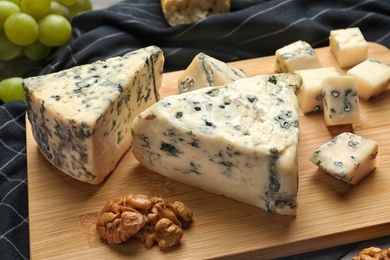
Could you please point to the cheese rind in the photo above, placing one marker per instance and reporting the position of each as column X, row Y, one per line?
column 310, row 93
column 298, row 55
column 348, row 46
column 81, row 117
column 341, row 100
column 239, row 140
column 372, row 78
column 206, row 71
column 348, row 157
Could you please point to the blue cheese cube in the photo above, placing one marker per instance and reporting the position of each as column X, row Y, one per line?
column 298, row 55
column 310, row 93
column 206, row 71
column 348, row 46
column 341, row 100
column 348, row 157
column 81, row 117
column 239, row 140
column 372, row 78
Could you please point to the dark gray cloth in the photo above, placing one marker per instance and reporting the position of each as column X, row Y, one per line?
column 14, row 238
column 251, row 29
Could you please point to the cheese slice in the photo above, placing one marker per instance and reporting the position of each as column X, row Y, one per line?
column 239, row 140
column 206, row 71
column 348, row 157
column 81, row 117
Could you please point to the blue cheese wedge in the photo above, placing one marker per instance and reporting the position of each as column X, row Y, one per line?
column 298, row 55
column 348, row 157
column 81, row 117
column 206, row 71
column 372, row 78
column 239, row 140
column 178, row 12
column 341, row 100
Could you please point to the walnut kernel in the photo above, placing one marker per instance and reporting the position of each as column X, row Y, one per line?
column 373, row 253
column 149, row 219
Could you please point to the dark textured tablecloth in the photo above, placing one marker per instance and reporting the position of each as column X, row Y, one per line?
column 252, row 29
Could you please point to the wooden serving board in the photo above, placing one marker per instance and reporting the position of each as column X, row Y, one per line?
column 63, row 211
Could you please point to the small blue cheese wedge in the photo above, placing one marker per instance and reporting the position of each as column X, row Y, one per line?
column 341, row 100
column 348, row 157
column 81, row 117
column 348, row 46
column 298, row 55
column 239, row 140
column 206, row 71
column 178, row 12
column 372, row 78
column 310, row 93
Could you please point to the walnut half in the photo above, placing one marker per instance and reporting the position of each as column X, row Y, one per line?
column 373, row 253
column 149, row 219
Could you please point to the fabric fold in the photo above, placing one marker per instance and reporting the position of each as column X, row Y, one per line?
column 252, row 29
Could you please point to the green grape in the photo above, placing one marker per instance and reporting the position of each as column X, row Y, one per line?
column 8, row 50
column 80, row 6
column 6, row 9
column 60, row 9
column 54, row 30
column 12, row 89
column 35, row 8
column 21, row 29
column 17, row 2
column 67, row 2
column 36, row 51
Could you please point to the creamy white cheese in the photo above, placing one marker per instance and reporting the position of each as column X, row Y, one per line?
column 341, row 100
column 372, row 78
column 298, row 55
column 206, row 71
column 348, row 157
column 310, row 93
column 348, row 46
column 81, row 117
column 239, row 140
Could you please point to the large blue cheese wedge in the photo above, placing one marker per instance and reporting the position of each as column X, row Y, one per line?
column 81, row 117
column 239, row 140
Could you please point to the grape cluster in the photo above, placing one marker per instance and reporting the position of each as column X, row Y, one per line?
column 32, row 28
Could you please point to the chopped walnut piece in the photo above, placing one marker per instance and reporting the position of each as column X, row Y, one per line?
column 150, row 219
column 181, row 210
column 117, row 227
column 118, row 222
column 158, row 212
column 165, row 233
column 137, row 201
column 373, row 253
